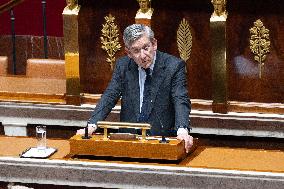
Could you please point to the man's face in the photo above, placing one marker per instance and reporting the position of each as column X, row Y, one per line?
column 142, row 51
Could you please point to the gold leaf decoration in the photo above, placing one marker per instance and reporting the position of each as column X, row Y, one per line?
column 259, row 43
column 184, row 40
column 110, row 40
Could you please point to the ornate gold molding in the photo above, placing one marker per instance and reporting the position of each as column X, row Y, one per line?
column 109, row 39
column 259, row 43
column 184, row 40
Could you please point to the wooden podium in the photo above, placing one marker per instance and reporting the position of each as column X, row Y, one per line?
column 138, row 147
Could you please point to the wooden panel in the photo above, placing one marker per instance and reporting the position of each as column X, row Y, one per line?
column 46, row 68
column 257, row 159
column 18, row 144
column 23, row 89
column 29, row 47
column 244, row 84
column 243, row 81
column 96, row 73
column 166, row 19
column 149, row 149
column 237, row 159
column 3, row 65
column 32, row 85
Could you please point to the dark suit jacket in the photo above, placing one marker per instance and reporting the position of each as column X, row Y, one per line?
column 170, row 102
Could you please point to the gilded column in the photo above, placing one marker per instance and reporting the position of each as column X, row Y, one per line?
column 219, row 61
column 71, row 48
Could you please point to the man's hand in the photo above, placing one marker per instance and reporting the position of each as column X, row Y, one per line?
column 91, row 129
column 188, row 140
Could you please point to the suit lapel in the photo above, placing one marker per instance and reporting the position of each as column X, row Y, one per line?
column 157, row 77
column 134, row 86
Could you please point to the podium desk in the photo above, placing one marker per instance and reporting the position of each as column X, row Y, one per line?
column 217, row 167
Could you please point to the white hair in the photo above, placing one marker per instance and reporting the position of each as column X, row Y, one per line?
column 135, row 32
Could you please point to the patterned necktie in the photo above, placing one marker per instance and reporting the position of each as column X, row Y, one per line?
column 145, row 109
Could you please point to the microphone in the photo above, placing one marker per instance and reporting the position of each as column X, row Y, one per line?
column 163, row 140
column 86, row 135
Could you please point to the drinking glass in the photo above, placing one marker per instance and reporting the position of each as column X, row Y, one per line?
column 41, row 137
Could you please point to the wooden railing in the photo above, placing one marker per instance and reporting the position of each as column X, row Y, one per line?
column 9, row 5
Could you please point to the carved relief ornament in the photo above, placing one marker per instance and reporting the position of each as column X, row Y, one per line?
column 184, row 40
column 110, row 40
column 259, row 43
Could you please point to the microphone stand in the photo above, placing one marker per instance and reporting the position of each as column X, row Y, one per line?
column 86, row 135
column 164, row 140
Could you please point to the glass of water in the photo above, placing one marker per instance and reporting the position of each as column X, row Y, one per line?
column 41, row 137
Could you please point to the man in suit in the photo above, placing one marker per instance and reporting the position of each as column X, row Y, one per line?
column 166, row 106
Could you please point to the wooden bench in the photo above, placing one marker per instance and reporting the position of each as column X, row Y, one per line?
column 36, row 90
column 46, row 68
column 3, row 65
column 44, row 82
